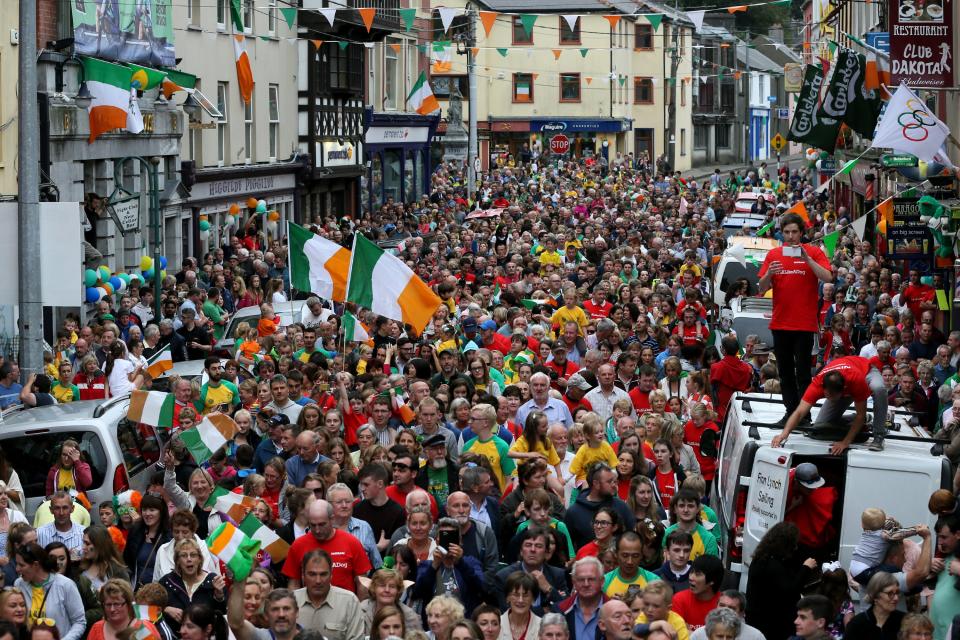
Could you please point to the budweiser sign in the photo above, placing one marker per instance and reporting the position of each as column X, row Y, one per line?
column 921, row 47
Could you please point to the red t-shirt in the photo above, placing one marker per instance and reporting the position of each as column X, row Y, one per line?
column 691, row 436
column 727, row 376
column 346, row 552
column 693, row 611
column 854, row 370
column 914, row 295
column 666, row 487
column 795, row 308
column 597, row 311
column 499, row 342
column 641, row 401
column 573, row 406
column 691, row 335
column 879, row 364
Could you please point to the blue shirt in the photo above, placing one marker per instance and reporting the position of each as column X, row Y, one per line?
column 555, row 410
column 362, row 531
column 10, row 396
column 585, row 628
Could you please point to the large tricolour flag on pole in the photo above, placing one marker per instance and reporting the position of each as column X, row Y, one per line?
column 421, row 98
column 205, row 439
column 318, row 265
column 109, row 84
column 244, row 72
column 383, row 283
column 908, row 126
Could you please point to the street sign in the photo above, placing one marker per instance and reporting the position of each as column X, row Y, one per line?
column 559, row 144
column 892, row 160
column 771, row 99
column 125, row 212
column 783, row 114
column 477, row 165
column 778, row 143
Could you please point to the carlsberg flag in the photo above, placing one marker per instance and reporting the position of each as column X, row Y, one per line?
column 236, row 550
column 808, row 126
column 907, row 126
column 847, row 99
column 421, row 98
column 317, row 265
column 387, row 286
column 205, row 439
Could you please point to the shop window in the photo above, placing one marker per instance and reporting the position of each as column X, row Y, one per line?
column 443, row 86
column 376, row 181
column 642, row 90
column 523, row 87
column 520, row 35
column 644, row 37
column 722, row 132
column 701, row 134
column 393, row 174
column 569, row 87
column 223, row 137
column 419, row 165
column 568, row 35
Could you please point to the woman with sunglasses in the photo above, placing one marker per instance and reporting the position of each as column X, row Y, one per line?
column 49, row 594
column 118, row 614
column 190, row 584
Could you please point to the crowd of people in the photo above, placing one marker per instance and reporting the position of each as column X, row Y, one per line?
column 537, row 462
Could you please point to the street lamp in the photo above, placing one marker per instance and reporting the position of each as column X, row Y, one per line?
column 191, row 106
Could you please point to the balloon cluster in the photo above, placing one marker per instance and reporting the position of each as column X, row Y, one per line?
column 102, row 282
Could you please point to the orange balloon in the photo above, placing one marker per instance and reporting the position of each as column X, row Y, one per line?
column 107, row 287
column 251, row 203
column 202, row 216
column 234, row 209
column 274, row 216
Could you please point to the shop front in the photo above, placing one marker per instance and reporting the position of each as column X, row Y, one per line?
column 334, row 189
column 396, row 151
column 581, row 137
column 214, row 195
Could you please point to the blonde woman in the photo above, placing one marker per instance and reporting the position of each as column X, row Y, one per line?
column 442, row 613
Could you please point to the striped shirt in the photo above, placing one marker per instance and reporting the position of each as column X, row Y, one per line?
column 72, row 539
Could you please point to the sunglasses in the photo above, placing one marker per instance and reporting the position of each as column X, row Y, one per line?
column 399, row 466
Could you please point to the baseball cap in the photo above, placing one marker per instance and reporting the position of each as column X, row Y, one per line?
column 279, row 420
column 469, row 324
column 808, row 475
column 578, row 381
column 489, row 325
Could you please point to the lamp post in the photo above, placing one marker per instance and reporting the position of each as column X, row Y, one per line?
column 150, row 165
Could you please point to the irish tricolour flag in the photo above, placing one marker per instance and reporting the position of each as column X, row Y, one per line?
column 235, row 505
column 317, row 265
column 383, row 283
column 421, row 98
column 160, row 362
column 205, row 439
column 109, row 84
column 353, row 329
column 236, row 550
column 270, row 542
column 151, row 407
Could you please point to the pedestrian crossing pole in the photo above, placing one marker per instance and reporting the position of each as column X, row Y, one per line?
column 28, row 201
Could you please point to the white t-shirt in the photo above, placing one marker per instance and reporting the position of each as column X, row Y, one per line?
column 119, row 380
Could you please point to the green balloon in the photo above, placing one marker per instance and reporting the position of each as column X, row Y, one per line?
column 90, row 277
column 204, row 225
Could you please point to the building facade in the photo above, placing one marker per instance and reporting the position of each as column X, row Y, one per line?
column 9, row 72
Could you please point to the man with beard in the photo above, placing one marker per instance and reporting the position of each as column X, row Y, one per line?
column 477, row 539
column 280, row 608
column 216, row 391
column 440, row 476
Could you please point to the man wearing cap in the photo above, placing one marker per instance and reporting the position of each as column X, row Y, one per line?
column 574, row 396
column 271, row 446
column 469, row 326
column 729, row 376
column 810, row 507
column 492, row 340
column 448, row 369
column 440, row 476
column 845, row 381
column 561, row 365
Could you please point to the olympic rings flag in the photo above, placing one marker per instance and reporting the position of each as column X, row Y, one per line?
column 908, row 126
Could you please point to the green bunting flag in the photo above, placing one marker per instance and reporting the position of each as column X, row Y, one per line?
column 408, row 16
column 830, row 242
column 290, row 15
column 527, row 20
column 655, row 19
column 847, row 168
column 343, row 45
column 502, row 51
column 422, row 48
column 583, row 53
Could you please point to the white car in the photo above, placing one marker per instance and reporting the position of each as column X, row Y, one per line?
column 289, row 313
column 728, row 268
column 750, row 316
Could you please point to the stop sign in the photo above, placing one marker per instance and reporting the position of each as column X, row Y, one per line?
column 559, row 143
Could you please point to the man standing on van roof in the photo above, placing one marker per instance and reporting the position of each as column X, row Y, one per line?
column 793, row 271
column 842, row 382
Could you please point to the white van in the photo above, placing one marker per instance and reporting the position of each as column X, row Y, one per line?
column 727, row 269
column 750, row 492
column 122, row 454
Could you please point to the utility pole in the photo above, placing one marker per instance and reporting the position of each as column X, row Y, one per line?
column 472, row 147
column 749, row 85
column 672, row 106
column 28, row 208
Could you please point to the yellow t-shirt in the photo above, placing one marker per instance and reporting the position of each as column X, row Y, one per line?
column 65, row 480
column 565, row 314
column 547, row 258
column 37, row 602
column 520, row 445
column 675, row 621
column 587, row 455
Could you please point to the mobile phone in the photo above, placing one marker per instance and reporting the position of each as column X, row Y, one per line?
column 323, row 386
column 793, row 252
column 446, row 537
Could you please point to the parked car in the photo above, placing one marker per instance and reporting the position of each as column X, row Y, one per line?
column 728, row 268
column 289, row 313
column 750, row 316
column 122, row 454
column 194, row 369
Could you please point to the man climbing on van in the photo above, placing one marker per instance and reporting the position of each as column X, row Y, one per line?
column 845, row 381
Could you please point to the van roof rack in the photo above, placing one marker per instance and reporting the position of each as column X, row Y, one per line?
column 108, row 404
